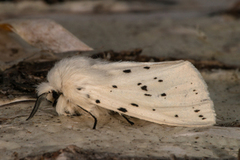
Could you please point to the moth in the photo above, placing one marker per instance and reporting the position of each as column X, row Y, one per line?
column 172, row 93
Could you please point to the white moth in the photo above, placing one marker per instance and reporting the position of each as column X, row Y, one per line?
column 171, row 93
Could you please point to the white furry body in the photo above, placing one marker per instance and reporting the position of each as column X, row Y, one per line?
column 172, row 93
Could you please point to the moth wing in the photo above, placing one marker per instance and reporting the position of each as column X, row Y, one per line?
column 172, row 93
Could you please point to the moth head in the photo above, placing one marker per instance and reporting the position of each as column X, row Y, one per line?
column 46, row 92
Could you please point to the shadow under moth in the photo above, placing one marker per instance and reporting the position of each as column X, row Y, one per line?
column 171, row 93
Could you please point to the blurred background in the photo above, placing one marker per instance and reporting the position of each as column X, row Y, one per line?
column 197, row 29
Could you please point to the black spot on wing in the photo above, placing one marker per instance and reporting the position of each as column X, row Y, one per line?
column 160, row 80
column 97, row 101
column 154, row 109
column 196, row 110
column 202, row 117
column 134, row 104
column 127, row 71
column 163, row 94
column 155, row 78
column 144, row 88
column 149, row 95
column 176, row 116
column 122, row 109
column 146, row 67
column 139, row 84
column 79, row 88
column 114, row 86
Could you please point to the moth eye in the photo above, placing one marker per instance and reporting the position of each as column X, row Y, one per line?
column 55, row 94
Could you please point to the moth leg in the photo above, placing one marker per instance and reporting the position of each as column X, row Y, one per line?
column 95, row 119
column 127, row 119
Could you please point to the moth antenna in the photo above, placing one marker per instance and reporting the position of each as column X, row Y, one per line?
column 127, row 119
column 37, row 104
column 95, row 119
